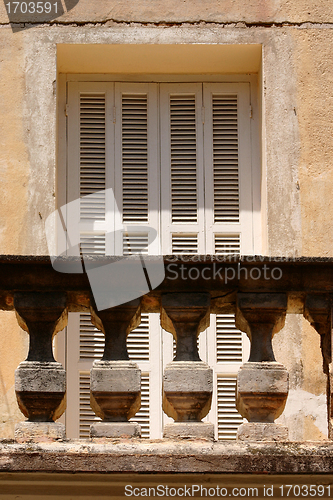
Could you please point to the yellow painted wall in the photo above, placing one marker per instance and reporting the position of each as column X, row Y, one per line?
column 178, row 37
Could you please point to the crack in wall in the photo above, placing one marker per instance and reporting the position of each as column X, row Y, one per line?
column 182, row 24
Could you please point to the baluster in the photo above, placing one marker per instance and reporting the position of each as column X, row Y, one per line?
column 318, row 311
column 40, row 381
column 187, row 381
column 262, row 383
column 115, row 381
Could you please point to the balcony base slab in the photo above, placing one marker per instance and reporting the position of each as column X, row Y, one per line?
column 189, row 430
column 258, row 431
column 115, row 430
column 167, row 456
column 35, row 432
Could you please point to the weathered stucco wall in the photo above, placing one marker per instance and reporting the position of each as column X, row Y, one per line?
column 13, row 349
column 297, row 146
column 14, row 149
column 314, row 68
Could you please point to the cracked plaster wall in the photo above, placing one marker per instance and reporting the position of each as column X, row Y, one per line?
column 297, row 69
column 194, row 11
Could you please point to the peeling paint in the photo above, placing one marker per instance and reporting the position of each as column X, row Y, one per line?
column 303, row 403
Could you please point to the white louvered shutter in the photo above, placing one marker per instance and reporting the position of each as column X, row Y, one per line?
column 228, row 418
column 228, row 349
column 144, row 347
column 177, row 157
column 86, row 416
column 91, row 162
column 182, row 181
column 136, row 172
column 105, row 137
column 91, row 348
column 228, row 176
column 91, row 139
column 137, row 196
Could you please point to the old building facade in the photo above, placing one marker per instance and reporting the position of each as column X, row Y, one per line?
column 197, row 70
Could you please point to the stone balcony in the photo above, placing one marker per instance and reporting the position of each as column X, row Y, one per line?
column 259, row 290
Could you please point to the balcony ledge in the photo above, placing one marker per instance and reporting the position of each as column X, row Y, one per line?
column 166, row 456
column 296, row 277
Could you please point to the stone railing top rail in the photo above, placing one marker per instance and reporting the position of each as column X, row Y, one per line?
column 45, row 259
column 221, row 276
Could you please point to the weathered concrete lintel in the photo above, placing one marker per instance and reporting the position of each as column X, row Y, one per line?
column 168, row 457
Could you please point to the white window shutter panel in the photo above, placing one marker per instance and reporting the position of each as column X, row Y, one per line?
column 92, row 129
column 136, row 160
column 87, row 416
column 92, row 340
column 225, row 157
column 228, row 418
column 91, row 347
column 229, row 340
column 182, row 188
column 138, row 341
column 143, row 415
column 227, row 153
column 92, row 154
column 228, row 348
column 137, row 196
column 91, row 163
column 144, row 347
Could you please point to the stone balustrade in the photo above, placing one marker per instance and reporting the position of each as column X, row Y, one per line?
column 260, row 291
